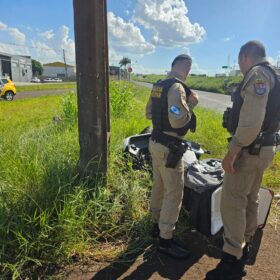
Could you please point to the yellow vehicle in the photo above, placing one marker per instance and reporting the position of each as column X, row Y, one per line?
column 7, row 89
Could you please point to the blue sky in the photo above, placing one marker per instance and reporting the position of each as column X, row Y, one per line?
column 150, row 32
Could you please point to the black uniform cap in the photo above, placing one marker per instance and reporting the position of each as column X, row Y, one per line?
column 181, row 57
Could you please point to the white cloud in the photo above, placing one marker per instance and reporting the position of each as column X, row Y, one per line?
column 3, row 26
column 274, row 60
column 227, row 39
column 51, row 49
column 17, row 36
column 169, row 22
column 140, row 69
column 47, row 34
column 114, row 57
column 14, row 49
column 44, row 53
column 48, row 47
column 126, row 38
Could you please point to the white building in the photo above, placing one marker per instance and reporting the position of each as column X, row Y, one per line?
column 59, row 70
column 234, row 73
column 16, row 67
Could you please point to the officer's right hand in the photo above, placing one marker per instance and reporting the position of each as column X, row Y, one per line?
column 228, row 162
column 193, row 98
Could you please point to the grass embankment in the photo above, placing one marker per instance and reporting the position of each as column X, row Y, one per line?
column 47, row 214
column 37, row 87
column 212, row 84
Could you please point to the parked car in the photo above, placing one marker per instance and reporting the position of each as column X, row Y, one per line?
column 48, row 80
column 7, row 89
column 58, row 80
column 52, row 80
column 35, row 80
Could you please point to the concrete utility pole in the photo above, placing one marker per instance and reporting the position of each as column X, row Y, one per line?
column 90, row 21
column 65, row 65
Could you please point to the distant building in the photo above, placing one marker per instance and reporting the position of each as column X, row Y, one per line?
column 17, row 67
column 234, row 73
column 58, row 70
column 220, row 75
column 115, row 72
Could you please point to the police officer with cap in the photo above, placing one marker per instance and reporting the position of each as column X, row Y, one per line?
column 170, row 107
column 253, row 121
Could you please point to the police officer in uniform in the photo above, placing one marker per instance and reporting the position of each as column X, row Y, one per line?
column 253, row 121
column 171, row 109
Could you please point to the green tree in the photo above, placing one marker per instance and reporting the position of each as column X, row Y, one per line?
column 37, row 68
column 123, row 63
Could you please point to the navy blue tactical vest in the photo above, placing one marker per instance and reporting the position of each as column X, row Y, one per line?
column 272, row 116
column 159, row 97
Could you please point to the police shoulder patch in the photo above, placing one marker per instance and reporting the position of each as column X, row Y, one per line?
column 260, row 87
column 174, row 110
column 156, row 92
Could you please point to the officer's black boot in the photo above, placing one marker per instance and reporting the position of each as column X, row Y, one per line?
column 229, row 268
column 172, row 249
column 155, row 231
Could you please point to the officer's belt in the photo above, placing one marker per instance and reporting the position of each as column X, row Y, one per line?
column 164, row 139
column 267, row 139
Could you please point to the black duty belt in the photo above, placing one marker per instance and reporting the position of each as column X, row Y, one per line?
column 164, row 139
column 267, row 139
column 177, row 147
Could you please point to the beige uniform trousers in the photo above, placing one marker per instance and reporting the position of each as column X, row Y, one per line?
column 239, row 202
column 167, row 191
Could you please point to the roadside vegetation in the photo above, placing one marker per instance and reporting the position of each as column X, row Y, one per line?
column 48, row 215
column 36, row 87
column 212, row 84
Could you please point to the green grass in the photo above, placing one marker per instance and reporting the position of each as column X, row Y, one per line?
column 50, row 216
column 37, row 87
column 212, row 84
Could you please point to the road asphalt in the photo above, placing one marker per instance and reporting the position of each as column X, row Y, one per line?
column 215, row 101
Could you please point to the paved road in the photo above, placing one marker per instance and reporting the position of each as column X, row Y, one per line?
column 211, row 100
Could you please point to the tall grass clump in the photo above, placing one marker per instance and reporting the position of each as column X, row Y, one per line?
column 47, row 213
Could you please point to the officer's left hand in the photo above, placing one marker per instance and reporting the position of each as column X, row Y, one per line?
column 228, row 162
column 193, row 98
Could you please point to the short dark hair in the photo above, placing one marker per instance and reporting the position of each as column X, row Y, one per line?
column 181, row 57
column 254, row 49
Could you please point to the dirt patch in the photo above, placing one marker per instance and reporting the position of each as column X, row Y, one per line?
column 206, row 253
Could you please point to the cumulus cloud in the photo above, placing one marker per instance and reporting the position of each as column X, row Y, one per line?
column 114, row 57
column 169, row 22
column 14, row 49
column 126, row 37
column 44, row 53
column 17, row 36
column 3, row 26
column 47, row 34
column 53, row 44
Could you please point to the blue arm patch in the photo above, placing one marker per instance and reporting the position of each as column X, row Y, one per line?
column 174, row 110
column 260, row 87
